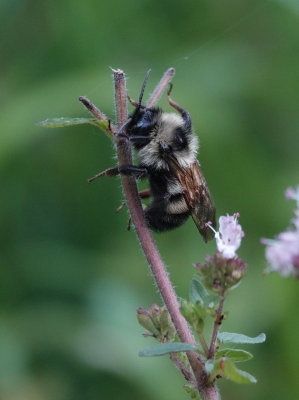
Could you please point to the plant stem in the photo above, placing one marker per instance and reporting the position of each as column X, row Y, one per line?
column 120, row 94
column 217, row 324
column 166, row 78
column 98, row 114
column 150, row 250
column 186, row 372
column 203, row 344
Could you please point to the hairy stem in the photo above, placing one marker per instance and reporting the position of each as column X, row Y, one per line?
column 203, row 344
column 217, row 324
column 186, row 372
column 150, row 250
column 166, row 78
column 98, row 114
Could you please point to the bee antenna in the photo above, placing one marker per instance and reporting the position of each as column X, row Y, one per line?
column 143, row 87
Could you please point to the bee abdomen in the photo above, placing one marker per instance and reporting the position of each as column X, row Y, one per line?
column 177, row 205
column 164, row 219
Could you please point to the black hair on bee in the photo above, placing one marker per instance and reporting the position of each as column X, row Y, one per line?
column 167, row 152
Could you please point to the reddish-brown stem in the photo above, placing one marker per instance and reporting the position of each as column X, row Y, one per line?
column 95, row 111
column 150, row 250
column 120, row 97
column 203, row 344
column 186, row 372
column 217, row 324
column 166, row 78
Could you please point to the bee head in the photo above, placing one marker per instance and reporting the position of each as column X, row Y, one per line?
column 159, row 136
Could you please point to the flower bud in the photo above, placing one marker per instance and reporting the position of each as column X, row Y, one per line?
column 219, row 273
column 146, row 322
column 157, row 322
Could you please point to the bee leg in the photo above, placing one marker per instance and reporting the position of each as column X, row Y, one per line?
column 184, row 113
column 108, row 172
column 143, row 194
column 143, row 140
column 110, row 125
column 129, row 170
column 123, row 204
column 129, row 224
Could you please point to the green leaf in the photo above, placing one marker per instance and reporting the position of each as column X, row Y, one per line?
column 197, row 292
column 64, row 121
column 225, row 368
column 232, row 373
column 227, row 337
column 235, row 355
column 192, row 391
column 209, row 366
column 165, row 348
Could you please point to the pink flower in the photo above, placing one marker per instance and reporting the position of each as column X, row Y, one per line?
column 291, row 193
column 229, row 237
column 282, row 253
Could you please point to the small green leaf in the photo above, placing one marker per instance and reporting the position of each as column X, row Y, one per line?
column 192, row 391
column 235, row 355
column 232, row 373
column 227, row 337
column 225, row 368
column 197, row 292
column 65, row 121
column 165, row 348
column 209, row 365
column 194, row 314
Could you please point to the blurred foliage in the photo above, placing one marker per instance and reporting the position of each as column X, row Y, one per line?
column 71, row 276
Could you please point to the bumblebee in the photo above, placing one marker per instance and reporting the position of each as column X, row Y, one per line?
column 167, row 150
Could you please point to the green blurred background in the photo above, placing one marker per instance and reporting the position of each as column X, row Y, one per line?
column 71, row 276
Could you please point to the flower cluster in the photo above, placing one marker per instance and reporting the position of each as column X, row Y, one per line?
column 282, row 253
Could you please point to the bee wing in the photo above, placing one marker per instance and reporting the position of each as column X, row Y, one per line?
column 197, row 196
